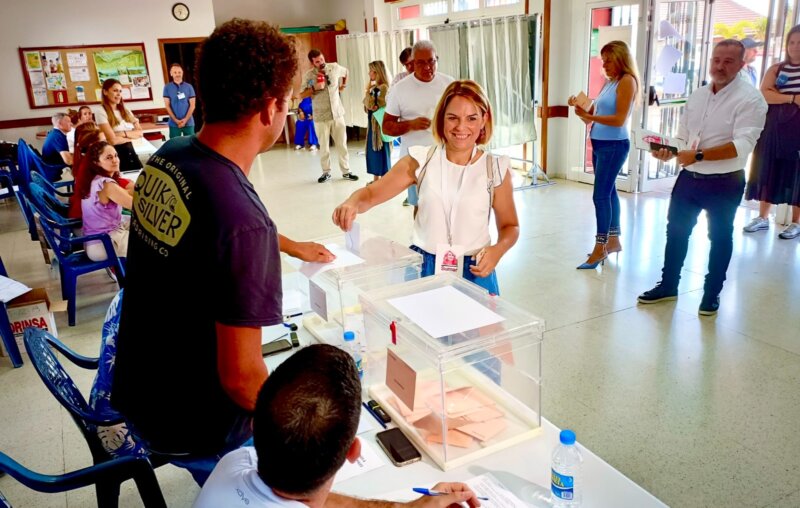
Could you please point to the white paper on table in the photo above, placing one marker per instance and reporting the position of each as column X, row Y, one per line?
column 445, row 311
column 366, row 423
column 665, row 29
column 485, row 485
column 675, row 82
column 343, row 258
column 666, row 59
column 10, row 289
column 499, row 496
column 370, row 459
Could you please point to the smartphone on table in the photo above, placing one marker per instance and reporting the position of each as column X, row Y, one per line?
column 276, row 346
column 398, row 447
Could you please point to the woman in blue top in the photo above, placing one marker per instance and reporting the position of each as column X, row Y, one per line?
column 609, row 116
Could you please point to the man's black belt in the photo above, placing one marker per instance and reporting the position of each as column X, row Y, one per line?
column 703, row 176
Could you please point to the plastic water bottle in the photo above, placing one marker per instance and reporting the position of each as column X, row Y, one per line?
column 565, row 475
column 352, row 346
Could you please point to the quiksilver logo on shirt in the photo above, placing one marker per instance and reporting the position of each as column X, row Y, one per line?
column 159, row 206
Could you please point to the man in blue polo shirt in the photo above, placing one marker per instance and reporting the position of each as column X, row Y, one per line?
column 179, row 100
column 55, row 150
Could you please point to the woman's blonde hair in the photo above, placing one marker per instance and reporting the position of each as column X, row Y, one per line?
column 123, row 112
column 469, row 90
column 620, row 55
column 380, row 72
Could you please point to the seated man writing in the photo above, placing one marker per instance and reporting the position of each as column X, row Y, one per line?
column 304, row 429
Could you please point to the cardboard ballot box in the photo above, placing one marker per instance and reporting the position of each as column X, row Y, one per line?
column 458, row 370
column 364, row 261
column 30, row 309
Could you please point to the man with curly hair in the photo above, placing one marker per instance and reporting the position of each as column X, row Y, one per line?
column 204, row 270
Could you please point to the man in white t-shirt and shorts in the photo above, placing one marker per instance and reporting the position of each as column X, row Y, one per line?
column 304, row 428
column 411, row 102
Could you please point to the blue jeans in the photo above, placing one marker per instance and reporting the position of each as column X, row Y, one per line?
column 608, row 156
column 489, row 283
column 719, row 197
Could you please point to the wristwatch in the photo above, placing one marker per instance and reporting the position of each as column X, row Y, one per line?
column 698, row 155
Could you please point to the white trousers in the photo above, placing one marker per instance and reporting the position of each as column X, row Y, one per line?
column 119, row 238
column 337, row 129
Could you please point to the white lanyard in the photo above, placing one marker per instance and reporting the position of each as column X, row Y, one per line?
column 450, row 213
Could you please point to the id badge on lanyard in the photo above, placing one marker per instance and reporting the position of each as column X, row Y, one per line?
column 449, row 259
column 180, row 95
column 450, row 256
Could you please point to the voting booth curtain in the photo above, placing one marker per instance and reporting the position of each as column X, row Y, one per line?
column 356, row 52
column 500, row 55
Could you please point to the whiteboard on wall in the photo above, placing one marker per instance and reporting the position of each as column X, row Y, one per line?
column 606, row 34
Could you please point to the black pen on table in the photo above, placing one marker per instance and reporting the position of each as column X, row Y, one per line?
column 370, row 411
column 428, row 492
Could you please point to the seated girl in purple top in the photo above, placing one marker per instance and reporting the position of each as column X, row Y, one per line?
column 102, row 200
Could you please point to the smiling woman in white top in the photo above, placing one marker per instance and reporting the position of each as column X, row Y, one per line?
column 459, row 186
column 119, row 125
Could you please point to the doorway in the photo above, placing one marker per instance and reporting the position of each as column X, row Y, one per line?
column 182, row 51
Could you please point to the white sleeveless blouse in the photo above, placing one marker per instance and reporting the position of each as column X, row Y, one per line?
column 440, row 191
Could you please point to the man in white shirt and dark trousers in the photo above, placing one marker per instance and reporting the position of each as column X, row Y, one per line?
column 304, row 428
column 720, row 124
column 412, row 101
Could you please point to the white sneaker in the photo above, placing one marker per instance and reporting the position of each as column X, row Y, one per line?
column 313, row 148
column 791, row 231
column 756, row 224
column 298, row 147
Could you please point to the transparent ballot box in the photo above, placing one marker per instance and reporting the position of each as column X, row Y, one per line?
column 458, row 370
column 364, row 261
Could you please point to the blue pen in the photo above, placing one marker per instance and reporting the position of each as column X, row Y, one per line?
column 370, row 411
column 427, row 492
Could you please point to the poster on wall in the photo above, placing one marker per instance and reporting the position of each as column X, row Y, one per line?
column 56, row 81
column 126, row 93
column 77, row 59
column 60, row 96
column 32, row 60
column 140, row 92
column 51, row 63
column 40, row 96
column 78, row 74
column 37, row 79
column 118, row 64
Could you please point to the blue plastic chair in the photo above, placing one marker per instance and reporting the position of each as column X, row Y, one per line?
column 114, row 472
column 30, row 161
column 6, row 333
column 72, row 259
column 40, row 345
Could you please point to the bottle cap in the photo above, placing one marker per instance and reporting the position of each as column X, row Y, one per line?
column 352, row 336
column 567, row 437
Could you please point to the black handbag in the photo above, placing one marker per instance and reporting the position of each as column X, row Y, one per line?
column 128, row 159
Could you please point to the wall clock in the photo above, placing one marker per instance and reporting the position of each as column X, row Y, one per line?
column 180, row 11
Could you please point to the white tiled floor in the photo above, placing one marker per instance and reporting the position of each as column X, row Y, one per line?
column 699, row 411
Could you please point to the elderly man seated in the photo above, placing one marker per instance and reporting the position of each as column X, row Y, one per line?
column 56, row 149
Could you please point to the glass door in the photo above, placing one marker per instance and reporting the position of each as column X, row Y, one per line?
column 678, row 49
column 609, row 21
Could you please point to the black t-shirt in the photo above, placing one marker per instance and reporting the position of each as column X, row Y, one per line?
column 202, row 250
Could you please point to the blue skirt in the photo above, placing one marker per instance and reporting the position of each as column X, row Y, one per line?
column 378, row 161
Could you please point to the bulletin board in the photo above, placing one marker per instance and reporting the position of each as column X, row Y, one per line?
column 58, row 76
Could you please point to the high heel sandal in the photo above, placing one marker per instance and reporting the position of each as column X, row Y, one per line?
column 592, row 266
column 600, row 261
